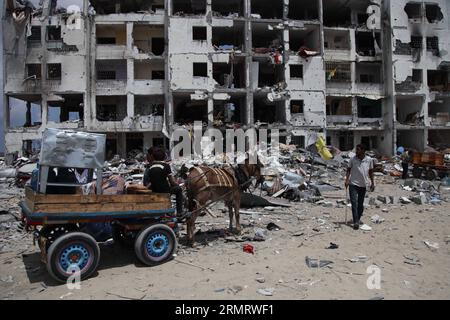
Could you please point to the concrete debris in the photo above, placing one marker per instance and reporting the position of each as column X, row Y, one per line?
column 316, row 263
column 260, row 280
column 359, row 259
column 376, row 219
column 433, row 246
column 266, row 291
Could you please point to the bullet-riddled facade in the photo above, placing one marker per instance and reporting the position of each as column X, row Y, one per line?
column 352, row 71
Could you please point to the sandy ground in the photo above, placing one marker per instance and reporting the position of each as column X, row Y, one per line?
column 409, row 269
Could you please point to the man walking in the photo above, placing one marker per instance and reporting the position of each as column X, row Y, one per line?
column 359, row 171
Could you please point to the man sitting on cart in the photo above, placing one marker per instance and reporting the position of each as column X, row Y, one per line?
column 159, row 177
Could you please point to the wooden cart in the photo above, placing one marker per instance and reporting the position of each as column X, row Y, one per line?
column 429, row 165
column 59, row 221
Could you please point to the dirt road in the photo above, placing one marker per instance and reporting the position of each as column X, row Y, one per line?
column 219, row 269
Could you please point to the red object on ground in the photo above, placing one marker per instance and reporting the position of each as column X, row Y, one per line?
column 249, row 248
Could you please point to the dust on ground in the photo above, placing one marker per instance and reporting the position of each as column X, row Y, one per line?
column 218, row 268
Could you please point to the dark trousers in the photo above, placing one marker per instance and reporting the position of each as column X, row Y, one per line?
column 178, row 192
column 357, row 200
column 405, row 167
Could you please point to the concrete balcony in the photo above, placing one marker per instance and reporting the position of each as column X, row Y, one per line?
column 147, row 87
column 110, row 87
column 369, row 88
column 338, row 55
column 110, row 52
column 130, row 124
column 339, row 120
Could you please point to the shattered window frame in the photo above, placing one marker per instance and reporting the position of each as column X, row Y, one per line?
column 36, row 68
column 49, row 33
column 35, row 39
column 436, row 9
column 54, row 71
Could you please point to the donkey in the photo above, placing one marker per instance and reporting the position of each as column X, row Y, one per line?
column 205, row 185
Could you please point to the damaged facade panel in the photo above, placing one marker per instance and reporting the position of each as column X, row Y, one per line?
column 368, row 43
column 67, row 108
column 369, row 110
column 412, row 83
column 25, row 111
column 307, row 39
column 228, row 8
column 409, row 110
column 149, row 70
column 266, row 74
column 148, row 39
column 260, row 9
column 268, row 112
column 104, row 7
column 111, row 34
column 230, row 75
column 188, row 7
column 266, row 39
column 439, row 111
column 438, row 138
column 140, row 66
column 339, row 110
column 146, row 105
column 438, row 80
column 229, row 38
column 187, row 111
column 111, row 108
column 303, row 10
column 230, row 111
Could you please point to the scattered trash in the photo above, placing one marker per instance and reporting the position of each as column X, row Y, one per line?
column 266, row 291
column 66, row 295
column 249, row 248
column 236, row 289
column 260, row 235
column 359, row 259
column 315, row 263
column 376, row 219
column 405, row 200
column 7, row 279
column 260, row 280
column 219, row 290
column 365, row 227
column 412, row 259
column 272, row 226
column 332, row 246
column 432, row 245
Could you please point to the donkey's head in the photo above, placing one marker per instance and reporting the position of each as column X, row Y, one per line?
column 253, row 170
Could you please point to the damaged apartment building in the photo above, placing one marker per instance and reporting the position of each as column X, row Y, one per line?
column 351, row 70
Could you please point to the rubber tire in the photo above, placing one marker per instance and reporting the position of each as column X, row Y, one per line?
column 417, row 172
column 61, row 241
column 141, row 241
column 431, row 174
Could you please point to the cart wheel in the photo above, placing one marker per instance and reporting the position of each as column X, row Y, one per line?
column 121, row 238
column 417, row 172
column 431, row 174
column 155, row 244
column 75, row 250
